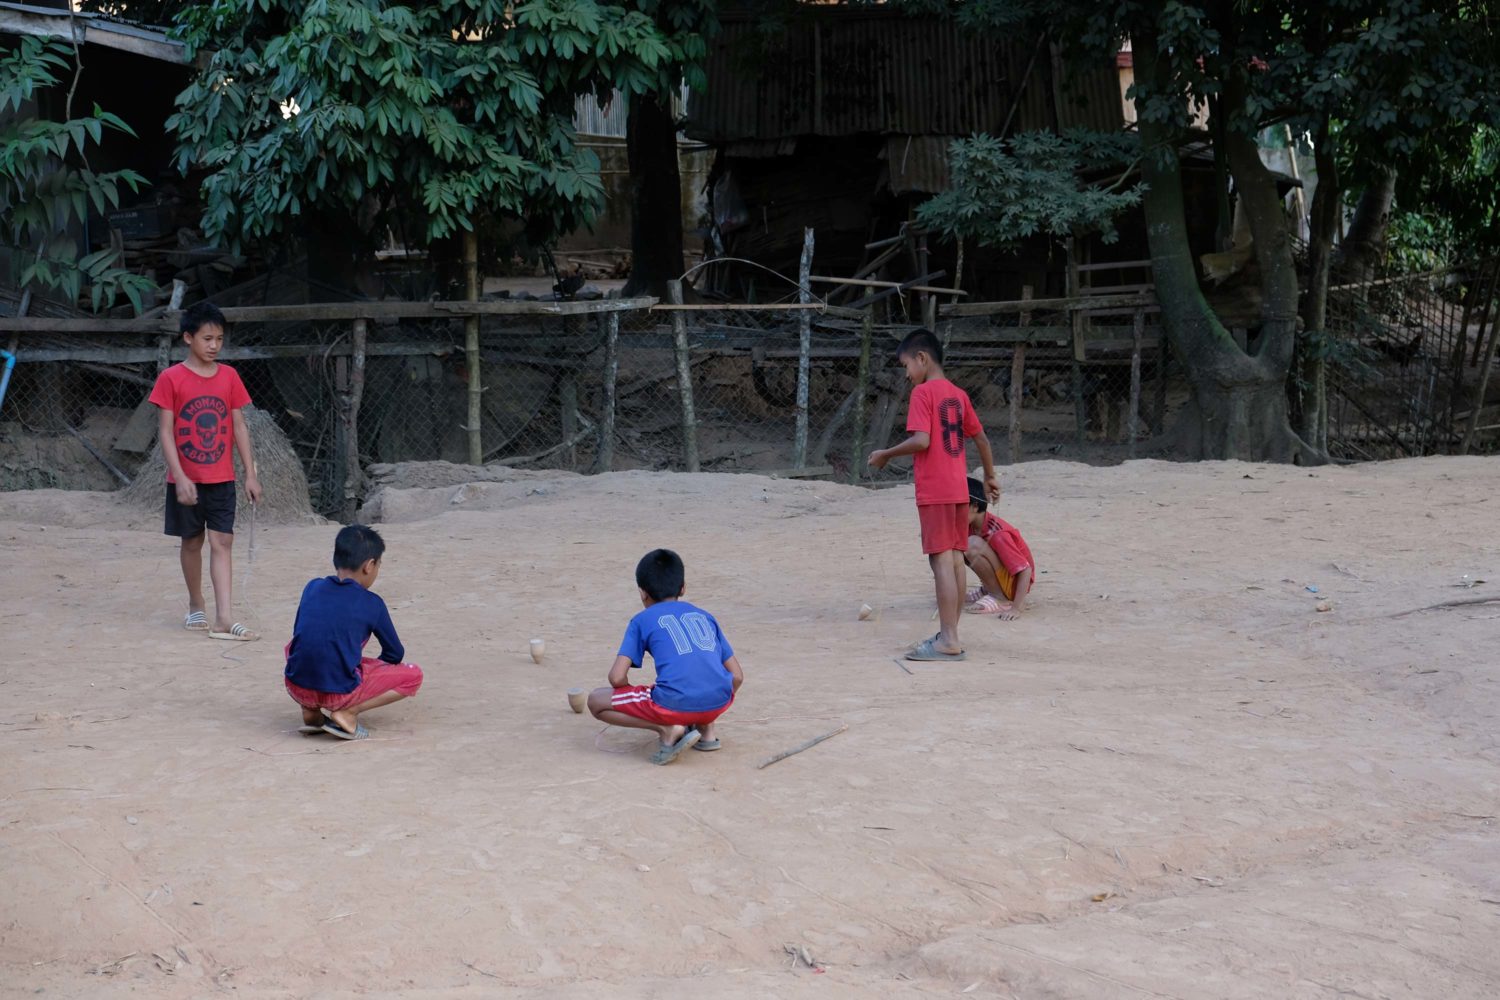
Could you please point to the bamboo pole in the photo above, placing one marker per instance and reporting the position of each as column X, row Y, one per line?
column 567, row 394
column 471, row 349
column 1133, row 424
column 353, row 475
column 1080, row 412
column 862, row 396
column 1482, row 387
column 1017, row 385
column 804, row 349
column 604, row 457
column 684, row 380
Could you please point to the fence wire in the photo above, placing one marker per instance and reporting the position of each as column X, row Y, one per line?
column 1406, row 364
column 555, row 394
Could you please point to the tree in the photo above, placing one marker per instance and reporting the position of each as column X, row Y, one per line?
column 344, row 117
column 1390, row 75
column 651, row 145
column 47, row 186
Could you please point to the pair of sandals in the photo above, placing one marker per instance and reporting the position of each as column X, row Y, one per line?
column 197, row 621
column 693, row 738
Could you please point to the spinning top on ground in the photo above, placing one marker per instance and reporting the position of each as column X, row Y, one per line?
column 538, row 650
column 865, row 611
column 577, row 698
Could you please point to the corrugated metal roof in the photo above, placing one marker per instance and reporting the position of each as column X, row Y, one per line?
column 917, row 163
column 837, row 71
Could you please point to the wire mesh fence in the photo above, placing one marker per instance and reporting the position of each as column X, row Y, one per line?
column 591, row 391
column 1408, row 368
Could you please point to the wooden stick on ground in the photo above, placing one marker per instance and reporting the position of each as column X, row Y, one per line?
column 1460, row 603
column 800, row 747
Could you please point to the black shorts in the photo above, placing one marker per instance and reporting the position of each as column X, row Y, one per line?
column 214, row 511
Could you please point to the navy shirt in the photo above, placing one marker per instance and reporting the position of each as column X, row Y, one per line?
column 334, row 621
column 689, row 649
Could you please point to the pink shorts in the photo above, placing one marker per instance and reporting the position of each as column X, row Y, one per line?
column 378, row 678
column 636, row 701
column 945, row 527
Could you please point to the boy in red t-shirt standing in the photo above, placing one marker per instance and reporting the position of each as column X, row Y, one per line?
column 940, row 419
column 202, row 421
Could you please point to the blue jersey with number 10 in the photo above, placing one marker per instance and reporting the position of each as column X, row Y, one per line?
column 688, row 649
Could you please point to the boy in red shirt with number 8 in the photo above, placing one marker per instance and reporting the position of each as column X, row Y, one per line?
column 940, row 418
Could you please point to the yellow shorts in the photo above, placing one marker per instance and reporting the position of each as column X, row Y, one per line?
column 1007, row 582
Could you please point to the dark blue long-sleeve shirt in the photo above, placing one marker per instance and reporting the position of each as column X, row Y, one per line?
column 334, row 621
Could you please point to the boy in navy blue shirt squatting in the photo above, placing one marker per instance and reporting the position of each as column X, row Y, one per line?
column 327, row 672
column 697, row 673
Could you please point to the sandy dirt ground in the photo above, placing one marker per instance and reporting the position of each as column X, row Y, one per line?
column 1174, row 777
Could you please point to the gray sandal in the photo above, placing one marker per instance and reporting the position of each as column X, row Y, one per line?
column 927, row 651
column 667, row 753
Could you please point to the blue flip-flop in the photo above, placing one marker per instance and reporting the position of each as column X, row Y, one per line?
column 669, row 752
column 334, row 729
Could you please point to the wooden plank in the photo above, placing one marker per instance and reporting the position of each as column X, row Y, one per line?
column 808, row 472
column 140, row 430
column 1114, row 265
column 270, row 352
column 872, row 283
column 1084, row 303
column 691, row 307
column 327, row 312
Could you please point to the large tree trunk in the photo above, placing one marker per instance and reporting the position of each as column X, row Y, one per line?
column 1364, row 246
column 1239, row 407
column 1312, row 409
column 656, row 197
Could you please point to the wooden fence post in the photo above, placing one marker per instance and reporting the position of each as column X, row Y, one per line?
column 1018, row 384
column 1075, row 314
column 471, row 349
column 353, row 475
column 1133, row 423
column 1482, row 387
column 604, row 457
column 862, row 396
column 684, row 379
column 804, row 349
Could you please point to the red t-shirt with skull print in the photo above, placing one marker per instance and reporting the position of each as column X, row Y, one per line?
column 203, row 419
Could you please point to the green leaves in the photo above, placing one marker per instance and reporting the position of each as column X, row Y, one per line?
column 1034, row 184
column 47, row 189
column 427, row 117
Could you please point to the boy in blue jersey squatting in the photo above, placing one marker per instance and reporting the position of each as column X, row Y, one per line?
column 697, row 674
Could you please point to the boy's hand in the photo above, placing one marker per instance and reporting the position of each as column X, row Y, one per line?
column 187, row 492
column 252, row 488
column 878, row 459
column 1008, row 613
column 992, row 488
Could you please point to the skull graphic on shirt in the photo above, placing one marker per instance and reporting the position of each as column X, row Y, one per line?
column 202, row 432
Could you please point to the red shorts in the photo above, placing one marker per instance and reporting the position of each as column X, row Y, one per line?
column 378, row 678
column 945, row 527
column 636, row 701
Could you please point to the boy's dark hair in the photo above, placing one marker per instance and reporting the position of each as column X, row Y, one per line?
column 198, row 315
column 976, row 495
column 921, row 340
column 660, row 574
column 356, row 545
